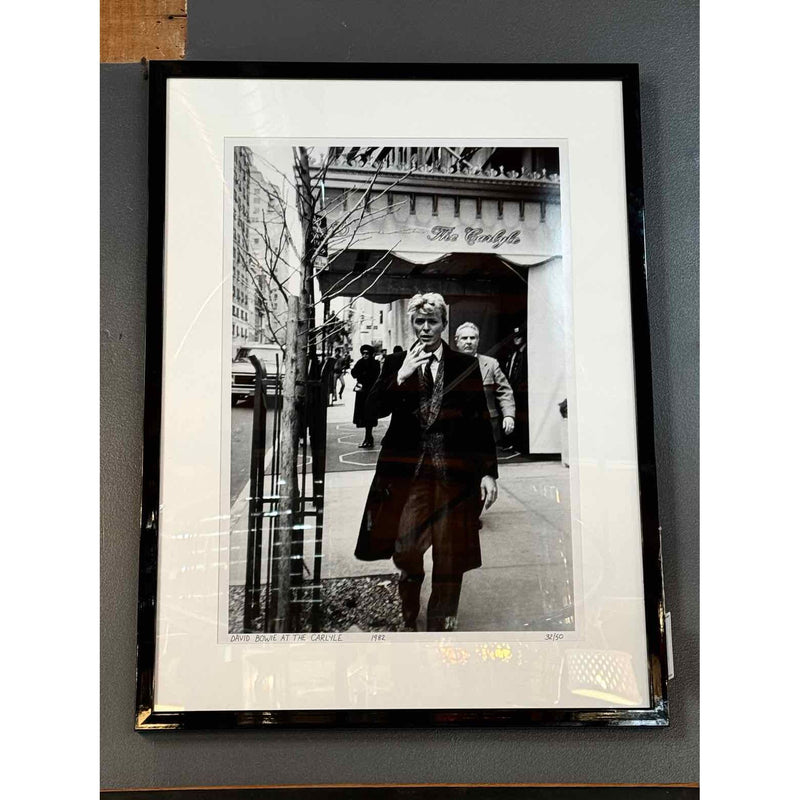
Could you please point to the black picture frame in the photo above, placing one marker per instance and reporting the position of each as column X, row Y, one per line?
column 656, row 712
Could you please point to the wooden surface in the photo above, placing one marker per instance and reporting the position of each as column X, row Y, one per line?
column 452, row 791
column 131, row 30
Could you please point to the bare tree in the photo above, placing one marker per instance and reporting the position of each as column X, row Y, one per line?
column 291, row 264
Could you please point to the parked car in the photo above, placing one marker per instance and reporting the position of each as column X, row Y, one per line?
column 243, row 373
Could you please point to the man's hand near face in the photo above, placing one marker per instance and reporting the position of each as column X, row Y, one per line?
column 415, row 358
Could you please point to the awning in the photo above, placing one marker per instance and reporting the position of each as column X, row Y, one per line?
column 383, row 277
column 415, row 257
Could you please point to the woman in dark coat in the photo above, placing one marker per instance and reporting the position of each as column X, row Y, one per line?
column 365, row 371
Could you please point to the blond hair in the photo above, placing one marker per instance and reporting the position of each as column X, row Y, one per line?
column 428, row 303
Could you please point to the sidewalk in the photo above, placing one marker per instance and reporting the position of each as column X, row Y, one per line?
column 525, row 542
column 526, row 580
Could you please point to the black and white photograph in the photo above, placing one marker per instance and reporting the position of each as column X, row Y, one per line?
column 400, row 365
column 400, row 452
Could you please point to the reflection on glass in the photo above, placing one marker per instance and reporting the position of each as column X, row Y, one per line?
column 605, row 675
column 351, row 466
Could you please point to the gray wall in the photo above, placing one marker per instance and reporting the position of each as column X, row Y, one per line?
column 662, row 36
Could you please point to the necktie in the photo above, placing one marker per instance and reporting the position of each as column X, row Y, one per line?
column 429, row 377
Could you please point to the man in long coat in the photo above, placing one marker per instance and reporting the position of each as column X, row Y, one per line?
column 436, row 468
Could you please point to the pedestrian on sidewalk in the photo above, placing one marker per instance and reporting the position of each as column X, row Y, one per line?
column 499, row 394
column 365, row 372
column 436, row 467
column 339, row 368
column 495, row 384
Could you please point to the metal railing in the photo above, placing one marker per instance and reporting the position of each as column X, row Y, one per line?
column 305, row 584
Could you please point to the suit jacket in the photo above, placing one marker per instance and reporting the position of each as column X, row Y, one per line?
column 467, row 447
column 496, row 387
column 517, row 369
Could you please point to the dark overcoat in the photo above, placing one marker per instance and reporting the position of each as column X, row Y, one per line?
column 518, row 378
column 468, row 450
column 365, row 371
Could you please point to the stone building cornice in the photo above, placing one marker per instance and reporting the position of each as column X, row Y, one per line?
column 426, row 180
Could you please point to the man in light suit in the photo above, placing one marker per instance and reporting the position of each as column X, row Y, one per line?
column 495, row 384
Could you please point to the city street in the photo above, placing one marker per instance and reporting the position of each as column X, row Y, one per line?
column 241, row 433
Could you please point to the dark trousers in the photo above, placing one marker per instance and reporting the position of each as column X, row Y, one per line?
column 520, row 436
column 423, row 523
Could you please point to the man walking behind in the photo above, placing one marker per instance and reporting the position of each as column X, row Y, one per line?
column 495, row 384
column 436, row 467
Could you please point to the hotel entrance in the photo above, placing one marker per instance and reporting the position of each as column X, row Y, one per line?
column 490, row 245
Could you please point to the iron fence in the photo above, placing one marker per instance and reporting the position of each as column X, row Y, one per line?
column 305, row 583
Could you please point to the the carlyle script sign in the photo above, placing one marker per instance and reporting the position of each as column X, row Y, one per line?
column 530, row 237
column 474, row 236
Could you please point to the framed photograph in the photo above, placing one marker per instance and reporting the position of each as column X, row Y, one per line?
column 398, row 462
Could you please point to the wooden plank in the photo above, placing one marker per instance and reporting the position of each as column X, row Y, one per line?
column 431, row 791
column 131, row 30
